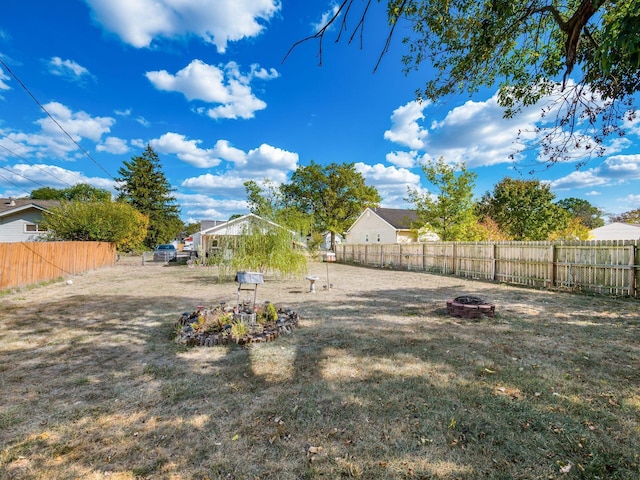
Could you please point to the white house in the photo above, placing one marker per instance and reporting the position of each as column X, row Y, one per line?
column 617, row 231
column 20, row 218
column 211, row 236
column 383, row 225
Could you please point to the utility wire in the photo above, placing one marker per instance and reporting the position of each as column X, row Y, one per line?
column 53, row 119
column 14, row 184
column 20, row 175
column 34, row 165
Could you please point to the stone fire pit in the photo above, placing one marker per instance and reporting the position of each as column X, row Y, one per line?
column 469, row 306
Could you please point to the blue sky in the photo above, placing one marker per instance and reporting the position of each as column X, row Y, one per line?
column 204, row 83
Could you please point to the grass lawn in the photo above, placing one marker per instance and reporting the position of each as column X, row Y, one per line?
column 378, row 382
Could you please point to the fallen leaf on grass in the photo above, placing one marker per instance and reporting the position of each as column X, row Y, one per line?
column 235, row 437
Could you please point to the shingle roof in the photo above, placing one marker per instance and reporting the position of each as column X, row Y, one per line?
column 207, row 224
column 397, row 217
column 7, row 204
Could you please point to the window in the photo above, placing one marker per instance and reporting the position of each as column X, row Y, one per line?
column 34, row 228
column 378, row 238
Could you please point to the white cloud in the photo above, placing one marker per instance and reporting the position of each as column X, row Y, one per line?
column 143, row 121
column 392, row 183
column 140, row 22
column 270, row 162
column 203, row 207
column 325, row 17
column 617, row 169
column 226, row 86
column 186, row 150
column 67, row 69
column 589, row 178
column 51, row 176
column 633, row 200
column 227, row 185
column 3, row 78
column 114, row 145
column 403, row 159
column 405, row 129
column 475, row 132
column 261, row 162
column 79, row 124
column 622, row 167
column 257, row 164
column 51, row 142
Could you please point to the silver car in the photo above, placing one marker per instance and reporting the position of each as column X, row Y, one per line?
column 165, row 252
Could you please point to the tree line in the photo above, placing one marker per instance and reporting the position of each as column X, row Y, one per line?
column 330, row 198
column 143, row 214
column 320, row 199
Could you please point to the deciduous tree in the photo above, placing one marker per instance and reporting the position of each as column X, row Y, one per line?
column 524, row 209
column 82, row 192
column 143, row 185
column 632, row 216
column 590, row 216
column 449, row 210
column 115, row 222
column 333, row 195
column 267, row 200
column 584, row 52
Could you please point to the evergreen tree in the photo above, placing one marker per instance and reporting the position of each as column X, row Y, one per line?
column 143, row 185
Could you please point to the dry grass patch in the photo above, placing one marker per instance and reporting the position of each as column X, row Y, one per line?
column 377, row 383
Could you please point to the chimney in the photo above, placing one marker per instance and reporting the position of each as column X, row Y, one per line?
column 12, row 202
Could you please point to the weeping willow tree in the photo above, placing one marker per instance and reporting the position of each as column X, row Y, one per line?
column 260, row 248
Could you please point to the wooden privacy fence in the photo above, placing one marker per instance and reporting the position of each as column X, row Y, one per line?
column 602, row 267
column 25, row 263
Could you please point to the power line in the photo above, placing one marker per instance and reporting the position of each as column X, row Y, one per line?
column 34, row 165
column 53, row 119
column 20, row 175
column 14, row 184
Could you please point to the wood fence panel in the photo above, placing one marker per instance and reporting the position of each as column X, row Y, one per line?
column 602, row 267
column 523, row 263
column 26, row 263
column 605, row 267
column 438, row 257
column 475, row 260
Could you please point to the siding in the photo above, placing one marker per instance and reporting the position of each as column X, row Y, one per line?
column 371, row 224
column 12, row 227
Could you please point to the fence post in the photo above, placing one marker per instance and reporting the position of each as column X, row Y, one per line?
column 454, row 259
column 494, row 254
column 632, row 271
column 553, row 259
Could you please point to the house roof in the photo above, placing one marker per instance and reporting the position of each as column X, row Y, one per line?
column 11, row 205
column 617, row 231
column 222, row 227
column 398, row 218
column 207, row 224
